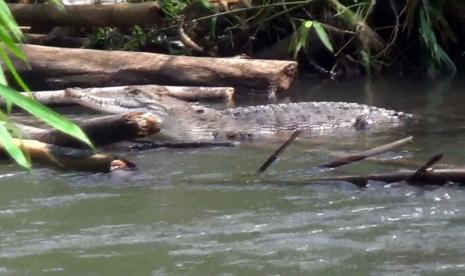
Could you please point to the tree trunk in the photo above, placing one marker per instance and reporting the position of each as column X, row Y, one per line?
column 105, row 130
column 117, row 15
column 433, row 177
column 60, row 68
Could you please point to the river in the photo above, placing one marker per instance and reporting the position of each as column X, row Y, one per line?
column 204, row 212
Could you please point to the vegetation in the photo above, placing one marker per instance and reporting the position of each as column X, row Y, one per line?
column 10, row 34
column 329, row 37
column 334, row 38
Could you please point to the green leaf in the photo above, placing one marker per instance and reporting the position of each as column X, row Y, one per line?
column 11, row 45
column 12, row 148
column 47, row 115
column 58, row 4
column 299, row 40
column 213, row 27
column 323, row 35
column 6, row 59
column 7, row 20
column 3, row 78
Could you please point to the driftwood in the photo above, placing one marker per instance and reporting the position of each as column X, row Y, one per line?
column 69, row 158
column 424, row 170
column 280, row 150
column 363, row 155
column 60, row 68
column 186, row 93
column 117, row 15
column 105, row 130
column 148, row 145
column 433, row 177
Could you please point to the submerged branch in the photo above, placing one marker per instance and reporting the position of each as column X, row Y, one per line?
column 278, row 152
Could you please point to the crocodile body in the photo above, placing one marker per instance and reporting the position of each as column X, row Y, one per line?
column 186, row 121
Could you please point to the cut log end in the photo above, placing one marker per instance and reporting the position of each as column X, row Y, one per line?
column 146, row 123
column 288, row 75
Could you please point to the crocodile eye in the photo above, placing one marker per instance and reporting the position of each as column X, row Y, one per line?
column 200, row 111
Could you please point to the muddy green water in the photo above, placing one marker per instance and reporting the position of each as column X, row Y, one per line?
column 203, row 212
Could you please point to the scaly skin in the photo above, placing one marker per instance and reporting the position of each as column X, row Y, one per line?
column 188, row 122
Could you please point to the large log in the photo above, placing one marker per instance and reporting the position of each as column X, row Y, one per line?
column 60, row 68
column 68, row 158
column 433, row 177
column 118, row 15
column 105, row 130
column 186, row 93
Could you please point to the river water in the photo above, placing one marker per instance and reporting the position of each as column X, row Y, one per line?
column 204, row 212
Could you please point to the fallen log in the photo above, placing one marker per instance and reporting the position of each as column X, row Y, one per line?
column 149, row 145
column 433, row 177
column 60, row 68
column 65, row 158
column 186, row 93
column 105, row 130
column 363, row 155
column 116, row 15
column 424, row 170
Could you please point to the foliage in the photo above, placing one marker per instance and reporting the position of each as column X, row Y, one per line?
column 374, row 35
column 10, row 35
column 173, row 7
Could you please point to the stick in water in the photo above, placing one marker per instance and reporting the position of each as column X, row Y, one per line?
column 422, row 173
column 280, row 150
column 363, row 155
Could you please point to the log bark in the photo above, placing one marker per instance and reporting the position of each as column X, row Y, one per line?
column 150, row 145
column 186, row 93
column 65, row 158
column 433, row 177
column 117, row 15
column 105, row 130
column 60, row 68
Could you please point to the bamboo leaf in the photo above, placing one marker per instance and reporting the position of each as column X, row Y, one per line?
column 6, row 59
column 12, row 148
column 47, row 115
column 7, row 20
column 3, row 78
column 323, row 35
column 300, row 39
column 11, row 45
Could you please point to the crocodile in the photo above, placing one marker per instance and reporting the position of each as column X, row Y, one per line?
column 186, row 121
